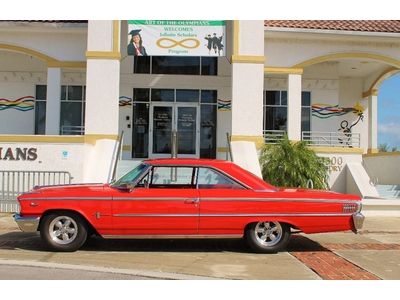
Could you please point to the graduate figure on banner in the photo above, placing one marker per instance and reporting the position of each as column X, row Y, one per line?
column 135, row 46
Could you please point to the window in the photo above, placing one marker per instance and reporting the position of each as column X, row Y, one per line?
column 172, row 177
column 72, row 116
column 212, row 179
column 275, row 110
column 178, row 65
column 40, row 109
column 305, row 111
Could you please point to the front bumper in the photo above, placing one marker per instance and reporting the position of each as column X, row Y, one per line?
column 27, row 224
column 358, row 221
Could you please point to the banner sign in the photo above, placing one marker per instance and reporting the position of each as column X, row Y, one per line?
column 176, row 38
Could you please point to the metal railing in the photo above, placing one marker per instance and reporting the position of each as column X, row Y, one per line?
column 273, row 136
column 331, row 139
column 72, row 130
column 13, row 183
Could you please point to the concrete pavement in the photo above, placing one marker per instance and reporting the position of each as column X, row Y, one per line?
column 373, row 254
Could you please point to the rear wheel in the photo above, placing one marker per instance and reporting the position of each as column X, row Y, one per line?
column 267, row 236
column 63, row 231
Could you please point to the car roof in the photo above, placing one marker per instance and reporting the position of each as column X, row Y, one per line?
column 186, row 161
column 240, row 174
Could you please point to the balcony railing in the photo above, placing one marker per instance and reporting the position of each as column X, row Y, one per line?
column 331, row 139
column 273, row 136
column 317, row 138
column 72, row 130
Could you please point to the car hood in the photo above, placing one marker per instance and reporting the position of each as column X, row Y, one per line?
column 65, row 190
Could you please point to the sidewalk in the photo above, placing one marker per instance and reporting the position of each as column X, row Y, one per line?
column 372, row 254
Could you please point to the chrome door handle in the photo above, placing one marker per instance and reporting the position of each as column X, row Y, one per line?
column 191, row 201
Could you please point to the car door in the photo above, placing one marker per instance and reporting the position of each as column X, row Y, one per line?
column 223, row 203
column 164, row 202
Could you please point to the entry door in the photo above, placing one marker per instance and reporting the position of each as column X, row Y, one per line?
column 182, row 118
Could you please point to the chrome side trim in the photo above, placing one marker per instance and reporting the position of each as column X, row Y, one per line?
column 27, row 224
column 190, row 236
column 237, row 215
column 206, row 199
column 68, row 198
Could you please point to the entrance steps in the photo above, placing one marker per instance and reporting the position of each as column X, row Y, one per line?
column 358, row 181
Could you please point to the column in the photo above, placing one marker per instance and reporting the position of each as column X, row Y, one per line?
column 373, row 122
column 294, row 107
column 102, row 99
column 248, row 81
column 53, row 101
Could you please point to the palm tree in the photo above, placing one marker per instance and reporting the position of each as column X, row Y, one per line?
column 293, row 164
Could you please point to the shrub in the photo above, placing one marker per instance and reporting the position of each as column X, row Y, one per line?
column 293, row 164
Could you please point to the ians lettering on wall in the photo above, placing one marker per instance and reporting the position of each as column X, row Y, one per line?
column 24, row 154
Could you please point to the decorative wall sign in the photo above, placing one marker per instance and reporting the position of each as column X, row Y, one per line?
column 224, row 104
column 25, row 103
column 125, row 101
column 176, row 37
column 324, row 111
column 18, row 153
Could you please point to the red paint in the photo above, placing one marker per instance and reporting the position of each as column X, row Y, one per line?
column 216, row 211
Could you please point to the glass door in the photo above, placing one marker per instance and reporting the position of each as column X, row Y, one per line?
column 182, row 118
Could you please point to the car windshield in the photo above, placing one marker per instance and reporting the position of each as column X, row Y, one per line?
column 132, row 175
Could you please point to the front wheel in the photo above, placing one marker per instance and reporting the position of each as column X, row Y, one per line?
column 63, row 231
column 267, row 236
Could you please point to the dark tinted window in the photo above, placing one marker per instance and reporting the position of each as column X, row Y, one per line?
column 141, row 64
column 187, row 65
column 187, row 95
column 162, row 95
column 209, row 66
column 209, row 96
column 41, row 92
column 141, row 95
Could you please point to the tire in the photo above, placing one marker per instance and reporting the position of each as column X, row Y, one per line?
column 63, row 231
column 267, row 236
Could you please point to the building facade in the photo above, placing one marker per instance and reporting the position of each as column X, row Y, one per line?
column 69, row 89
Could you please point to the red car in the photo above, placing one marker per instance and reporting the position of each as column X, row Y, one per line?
column 184, row 198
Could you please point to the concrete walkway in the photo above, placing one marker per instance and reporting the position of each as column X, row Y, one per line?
column 374, row 254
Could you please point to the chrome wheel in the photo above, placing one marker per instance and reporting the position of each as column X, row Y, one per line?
column 63, row 230
column 268, row 233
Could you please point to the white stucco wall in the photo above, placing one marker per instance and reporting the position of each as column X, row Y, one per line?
column 66, row 44
column 383, row 167
column 50, row 157
column 279, row 48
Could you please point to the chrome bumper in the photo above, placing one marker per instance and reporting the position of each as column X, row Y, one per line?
column 358, row 221
column 27, row 224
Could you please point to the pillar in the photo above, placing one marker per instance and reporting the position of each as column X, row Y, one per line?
column 102, row 99
column 294, row 107
column 248, row 81
column 373, row 122
column 53, row 101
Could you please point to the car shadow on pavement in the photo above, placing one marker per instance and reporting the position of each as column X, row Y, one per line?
column 32, row 242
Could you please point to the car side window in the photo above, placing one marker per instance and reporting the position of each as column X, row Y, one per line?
column 212, row 179
column 169, row 177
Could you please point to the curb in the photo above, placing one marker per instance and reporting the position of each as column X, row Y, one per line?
column 133, row 272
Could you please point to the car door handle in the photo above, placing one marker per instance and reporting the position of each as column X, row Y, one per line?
column 191, row 201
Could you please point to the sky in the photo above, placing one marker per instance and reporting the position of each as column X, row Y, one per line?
column 389, row 112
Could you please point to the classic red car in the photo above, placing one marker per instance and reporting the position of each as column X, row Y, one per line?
column 189, row 198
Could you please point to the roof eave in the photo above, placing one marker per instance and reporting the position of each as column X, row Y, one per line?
column 333, row 32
